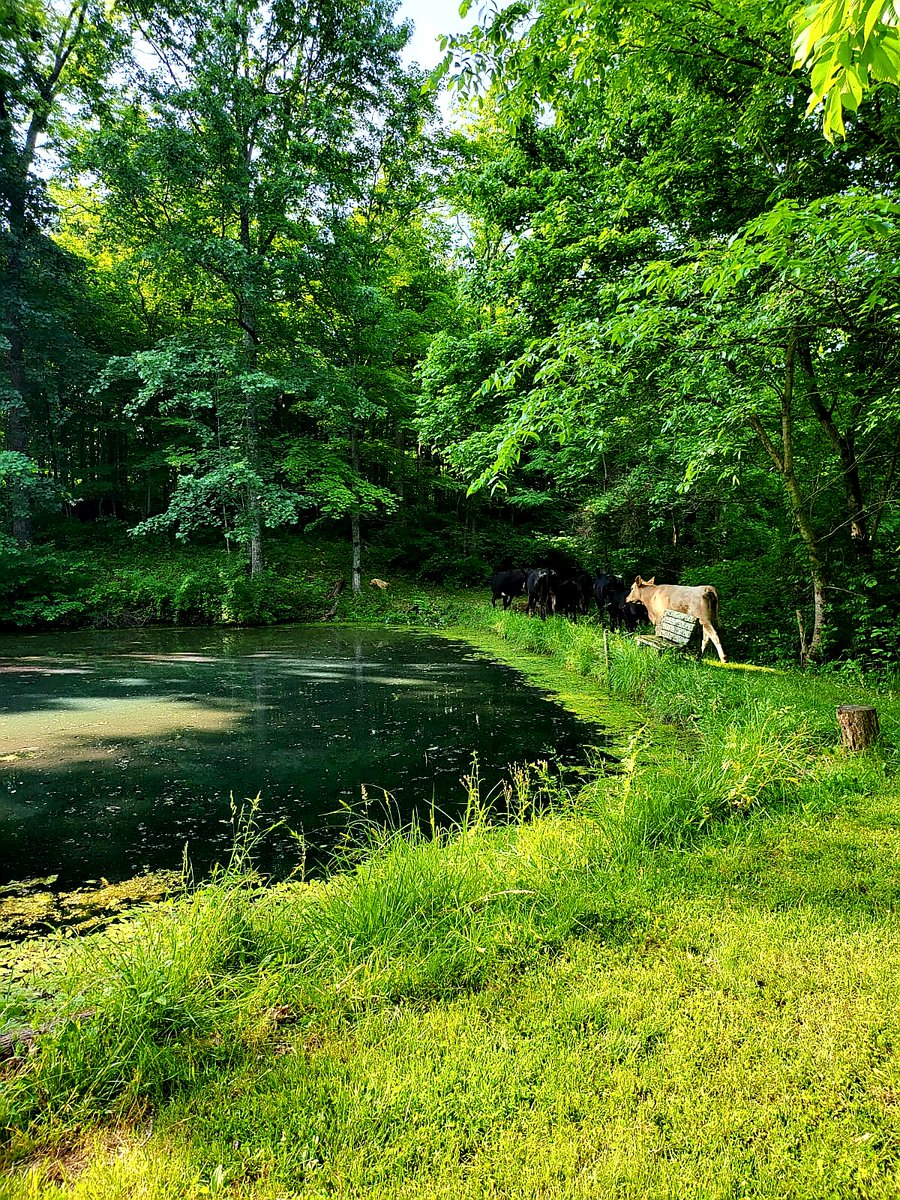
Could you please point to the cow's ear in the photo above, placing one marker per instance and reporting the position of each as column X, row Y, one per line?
column 638, row 582
column 650, row 582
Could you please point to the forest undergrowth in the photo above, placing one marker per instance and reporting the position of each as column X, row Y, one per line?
column 674, row 977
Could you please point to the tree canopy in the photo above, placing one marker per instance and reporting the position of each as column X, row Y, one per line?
column 638, row 309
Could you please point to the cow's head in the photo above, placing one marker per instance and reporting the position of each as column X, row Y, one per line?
column 634, row 596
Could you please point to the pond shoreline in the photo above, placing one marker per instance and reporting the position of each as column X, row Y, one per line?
column 28, row 910
column 27, row 906
column 31, row 913
column 711, row 922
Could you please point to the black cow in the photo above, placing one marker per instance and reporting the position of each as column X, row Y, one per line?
column 507, row 585
column 539, row 584
column 568, row 598
column 585, row 584
column 634, row 614
column 610, row 592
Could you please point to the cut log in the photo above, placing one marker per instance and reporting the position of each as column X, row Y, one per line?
column 859, row 725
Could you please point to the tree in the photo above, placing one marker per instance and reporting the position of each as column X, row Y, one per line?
column 849, row 47
column 51, row 52
column 785, row 337
column 640, row 364
column 239, row 157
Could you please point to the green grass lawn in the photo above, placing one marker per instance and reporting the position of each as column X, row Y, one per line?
column 679, row 979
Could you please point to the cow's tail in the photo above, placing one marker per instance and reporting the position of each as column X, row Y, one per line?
column 711, row 596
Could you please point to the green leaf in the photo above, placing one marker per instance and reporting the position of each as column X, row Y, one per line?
column 852, row 91
column 873, row 12
column 822, row 77
column 834, row 118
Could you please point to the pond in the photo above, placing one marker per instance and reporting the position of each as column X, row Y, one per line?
column 118, row 749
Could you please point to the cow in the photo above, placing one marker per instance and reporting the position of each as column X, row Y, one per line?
column 585, row 584
column 633, row 615
column 567, row 596
column 506, row 585
column 609, row 592
column 539, row 585
column 700, row 602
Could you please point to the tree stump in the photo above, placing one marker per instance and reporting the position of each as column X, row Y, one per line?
column 859, row 725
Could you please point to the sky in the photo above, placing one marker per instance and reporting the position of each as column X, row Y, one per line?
column 432, row 18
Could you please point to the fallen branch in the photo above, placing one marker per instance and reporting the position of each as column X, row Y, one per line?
column 335, row 595
column 13, row 1042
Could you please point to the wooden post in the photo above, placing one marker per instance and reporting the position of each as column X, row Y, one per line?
column 859, row 725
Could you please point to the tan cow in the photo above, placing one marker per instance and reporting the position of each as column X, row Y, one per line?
column 699, row 602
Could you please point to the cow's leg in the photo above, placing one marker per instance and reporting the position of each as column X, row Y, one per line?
column 710, row 635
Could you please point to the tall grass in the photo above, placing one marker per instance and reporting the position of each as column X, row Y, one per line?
column 744, row 739
column 196, row 985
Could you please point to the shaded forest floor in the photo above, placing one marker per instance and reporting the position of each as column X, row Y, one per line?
column 676, row 978
column 104, row 579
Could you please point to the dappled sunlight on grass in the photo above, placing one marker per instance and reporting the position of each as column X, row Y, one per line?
column 735, row 666
column 704, row 1030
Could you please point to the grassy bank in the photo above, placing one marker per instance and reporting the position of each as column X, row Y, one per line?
column 676, row 980
column 703, row 742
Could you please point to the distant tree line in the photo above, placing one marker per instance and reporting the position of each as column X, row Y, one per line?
column 220, row 263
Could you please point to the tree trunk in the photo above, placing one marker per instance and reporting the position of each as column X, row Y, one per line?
column 256, row 550
column 845, row 445
column 356, row 571
column 17, row 430
column 247, row 319
column 784, row 464
column 398, row 463
column 811, row 650
column 335, row 595
column 17, row 422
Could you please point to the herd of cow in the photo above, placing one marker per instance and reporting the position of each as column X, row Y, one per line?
column 570, row 595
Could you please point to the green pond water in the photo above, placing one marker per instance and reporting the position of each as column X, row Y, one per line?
column 119, row 749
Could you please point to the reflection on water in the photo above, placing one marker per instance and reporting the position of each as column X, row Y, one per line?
column 117, row 749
